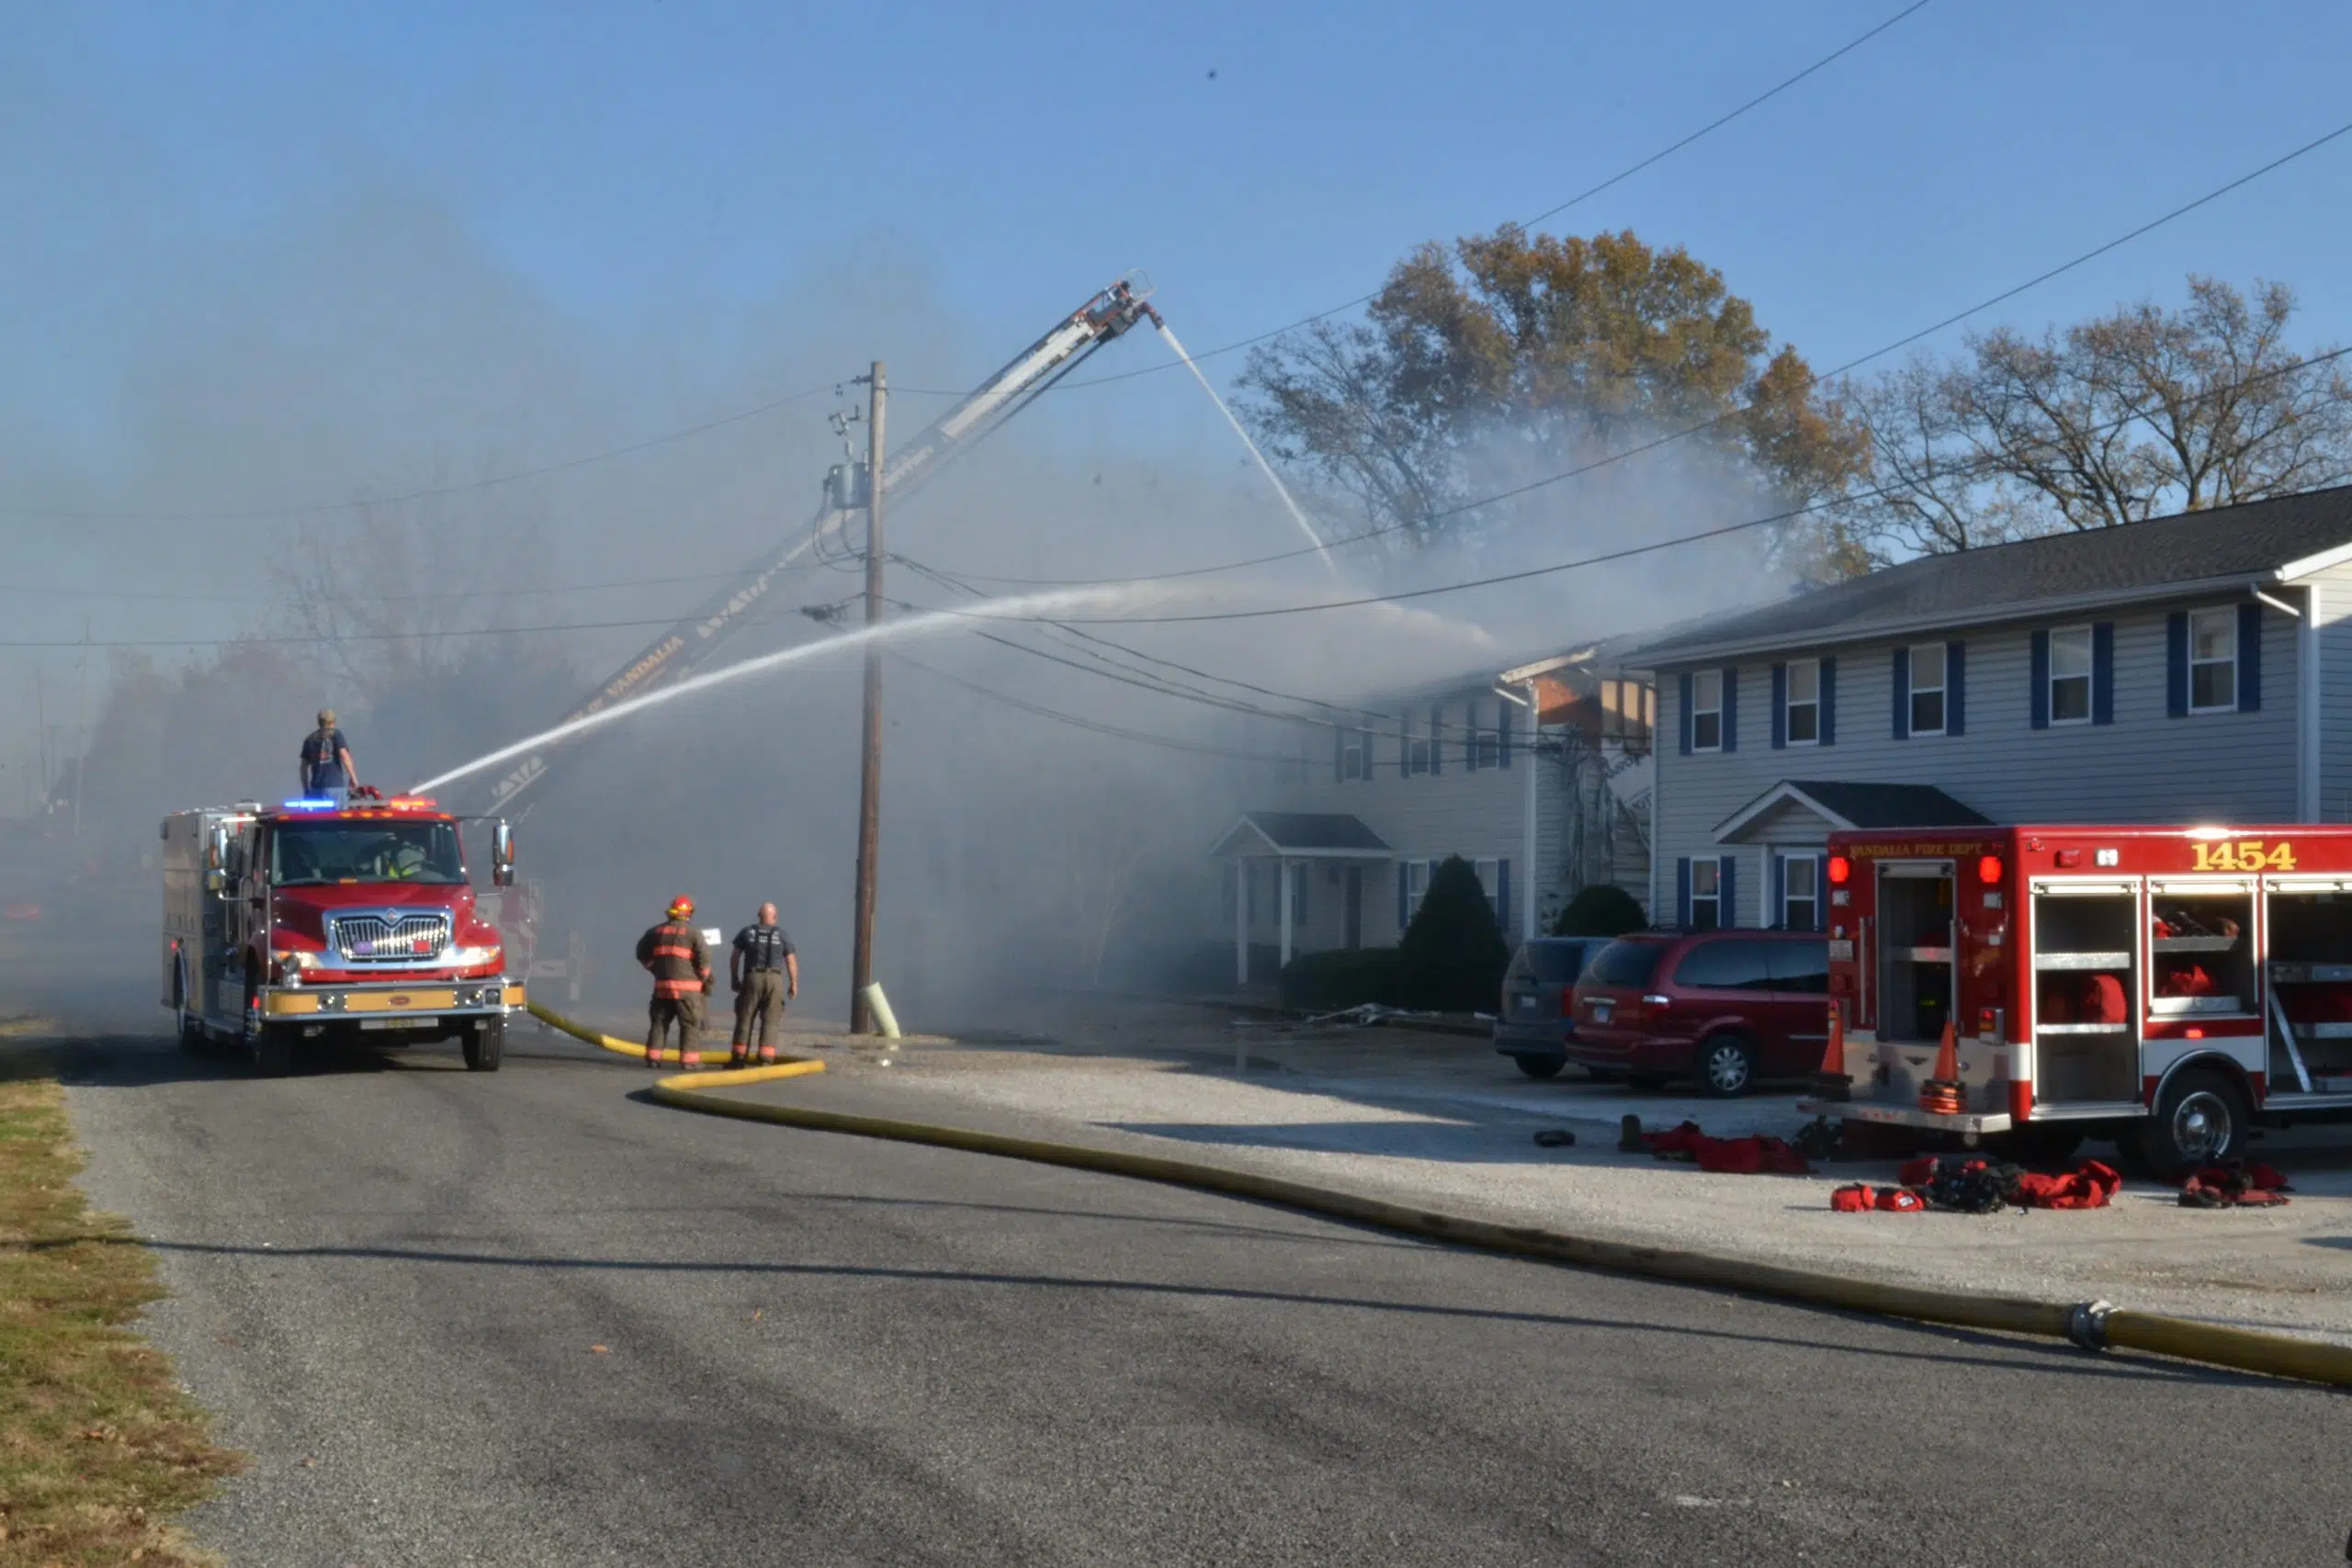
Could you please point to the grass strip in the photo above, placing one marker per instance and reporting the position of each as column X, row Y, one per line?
column 99, row 1445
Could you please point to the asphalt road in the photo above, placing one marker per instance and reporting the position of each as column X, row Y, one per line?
column 525, row 1319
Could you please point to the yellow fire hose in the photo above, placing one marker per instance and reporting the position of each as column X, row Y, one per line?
column 2094, row 1326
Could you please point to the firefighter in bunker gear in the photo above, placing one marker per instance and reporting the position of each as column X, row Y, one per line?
column 765, row 970
column 680, row 963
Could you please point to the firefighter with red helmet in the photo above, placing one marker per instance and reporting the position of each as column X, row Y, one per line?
column 680, row 963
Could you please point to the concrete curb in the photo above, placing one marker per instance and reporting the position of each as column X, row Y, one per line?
column 2094, row 1326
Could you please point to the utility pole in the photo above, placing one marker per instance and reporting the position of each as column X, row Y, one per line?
column 81, row 730
column 869, row 789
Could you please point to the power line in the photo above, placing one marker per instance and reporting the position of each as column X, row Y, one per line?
column 268, row 514
column 1097, row 726
column 1815, row 380
column 46, row 592
column 1619, row 177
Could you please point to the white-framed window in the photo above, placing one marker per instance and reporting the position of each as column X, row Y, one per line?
column 1929, row 679
column 1355, row 755
column 1417, row 886
column 1489, row 881
column 1485, row 743
column 2070, row 676
column 2213, row 661
column 1802, row 724
column 1801, row 892
column 1417, row 753
column 1707, row 711
column 1706, row 894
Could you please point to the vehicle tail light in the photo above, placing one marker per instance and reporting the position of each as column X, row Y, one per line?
column 1841, row 871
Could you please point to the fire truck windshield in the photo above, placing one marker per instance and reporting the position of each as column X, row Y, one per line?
column 314, row 854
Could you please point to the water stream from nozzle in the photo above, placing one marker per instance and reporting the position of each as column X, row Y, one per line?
column 1297, row 515
column 884, row 631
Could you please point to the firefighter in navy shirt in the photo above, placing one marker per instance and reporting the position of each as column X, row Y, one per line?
column 765, row 969
column 327, row 767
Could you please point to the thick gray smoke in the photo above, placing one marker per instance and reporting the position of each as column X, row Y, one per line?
column 1045, row 817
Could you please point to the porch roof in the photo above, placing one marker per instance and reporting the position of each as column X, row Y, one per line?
column 1300, row 835
column 1845, row 804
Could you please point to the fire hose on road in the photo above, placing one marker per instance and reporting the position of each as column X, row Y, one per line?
column 2093, row 1326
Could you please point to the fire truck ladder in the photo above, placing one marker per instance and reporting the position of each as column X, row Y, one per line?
column 690, row 644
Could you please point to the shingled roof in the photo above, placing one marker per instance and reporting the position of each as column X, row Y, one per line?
column 2227, row 545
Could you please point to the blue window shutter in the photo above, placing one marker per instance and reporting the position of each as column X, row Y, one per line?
column 1779, row 706
column 1437, row 737
column 2103, row 672
column 1955, row 688
column 1404, row 891
column 2249, row 659
column 1502, row 898
column 1731, row 709
column 1682, row 888
column 1509, row 724
column 2041, row 677
column 1686, row 713
column 1775, row 914
column 2176, row 664
column 1727, row 910
column 1828, row 702
column 1903, row 693
column 1404, row 747
column 1470, row 735
column 1339, row 755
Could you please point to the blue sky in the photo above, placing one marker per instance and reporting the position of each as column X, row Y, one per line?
column 689, row 174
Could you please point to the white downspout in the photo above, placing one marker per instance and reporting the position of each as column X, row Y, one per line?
column 2307, row 707
column 1283, row 867
column 1527, row 866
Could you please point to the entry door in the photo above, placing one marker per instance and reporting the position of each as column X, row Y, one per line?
column 1355, row 907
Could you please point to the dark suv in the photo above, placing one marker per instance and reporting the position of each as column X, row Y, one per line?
column 1725, row 1008
column 1531, row 1025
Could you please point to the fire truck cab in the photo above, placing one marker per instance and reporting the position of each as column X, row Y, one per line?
column 316, row 922
column 2171, row 986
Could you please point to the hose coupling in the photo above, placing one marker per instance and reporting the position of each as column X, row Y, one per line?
column 2086, row 1323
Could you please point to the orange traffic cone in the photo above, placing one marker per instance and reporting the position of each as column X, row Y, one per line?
column 1943, row 1094
column 1833, row 1082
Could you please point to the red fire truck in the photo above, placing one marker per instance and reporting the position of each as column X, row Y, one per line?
column 2171, row 986
column 316, row 920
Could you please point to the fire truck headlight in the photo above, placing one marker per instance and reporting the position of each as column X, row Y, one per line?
column 474, row 957
column 290, row 965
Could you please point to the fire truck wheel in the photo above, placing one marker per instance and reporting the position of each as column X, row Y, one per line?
column 1725, row 1066
column 272, row 1048
column 2201, row 1118
column 485, row 1045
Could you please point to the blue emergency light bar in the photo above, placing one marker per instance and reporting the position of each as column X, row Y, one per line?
column 313, row 806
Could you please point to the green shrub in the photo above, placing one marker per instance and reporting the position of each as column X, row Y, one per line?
column 1343, row 978
column 1603, row 910
column 1453, row 956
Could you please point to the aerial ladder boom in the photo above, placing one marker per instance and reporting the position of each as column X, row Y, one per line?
column 688, row 645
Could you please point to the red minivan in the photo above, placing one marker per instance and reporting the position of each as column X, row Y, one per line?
column 1725, row 1008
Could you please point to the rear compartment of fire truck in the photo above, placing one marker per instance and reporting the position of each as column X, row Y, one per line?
column 2309, row 1020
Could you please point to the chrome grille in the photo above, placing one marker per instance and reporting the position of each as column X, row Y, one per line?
column 390, row 936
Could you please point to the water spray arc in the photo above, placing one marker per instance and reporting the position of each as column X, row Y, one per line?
column 936, row 622
column 1297, row 515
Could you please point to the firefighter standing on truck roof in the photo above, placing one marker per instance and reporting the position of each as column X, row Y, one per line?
column 673, row 950
column 765, row 969
column 326, row 758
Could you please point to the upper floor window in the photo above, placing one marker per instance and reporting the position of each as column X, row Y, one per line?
column 1803, row 718
column 1417, row 752
column 2213, row 661
column 1929, row 685
column 1355, row 755
column 1707, row 711
column 2070, row 676
column 1417, row 886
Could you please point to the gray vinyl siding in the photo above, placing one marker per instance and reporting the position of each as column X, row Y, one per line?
column 2144, row 767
